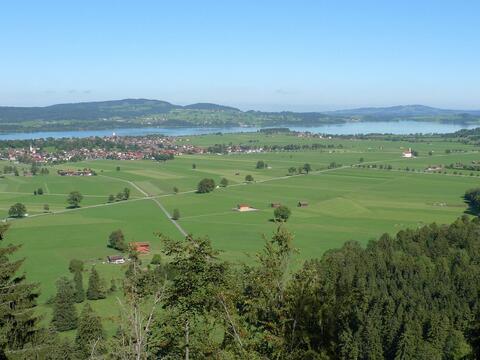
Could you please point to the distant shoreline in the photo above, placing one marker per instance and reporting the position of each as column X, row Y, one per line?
column 400, row 127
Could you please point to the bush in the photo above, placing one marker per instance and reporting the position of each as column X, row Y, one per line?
column 224, row 182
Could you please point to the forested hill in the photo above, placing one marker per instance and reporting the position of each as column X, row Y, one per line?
column 144, row 112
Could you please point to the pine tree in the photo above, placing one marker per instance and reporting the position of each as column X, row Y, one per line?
column 18, row 324
column 64, row 349
column 90, row 334
column 64, row 312
column 95, row 290
column 79, row 291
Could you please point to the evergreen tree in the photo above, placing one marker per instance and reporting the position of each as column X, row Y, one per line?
column 18, row 323
column 63, row 349
column 90, row 335
column 95, row 289
column 64, row 312
column 79, row 291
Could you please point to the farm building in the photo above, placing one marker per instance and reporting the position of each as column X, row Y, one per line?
column 243, row 207
column 408, row 153
column 302, row 204
column 275, row 205
column 140, row 247
column 115, row 259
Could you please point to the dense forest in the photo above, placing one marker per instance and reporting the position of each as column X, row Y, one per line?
column 410, row 296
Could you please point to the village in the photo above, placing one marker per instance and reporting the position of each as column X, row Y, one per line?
column 110, row 147
column 113, row 148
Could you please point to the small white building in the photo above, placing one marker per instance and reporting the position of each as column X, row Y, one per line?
column 408, row 153
column 116, row 259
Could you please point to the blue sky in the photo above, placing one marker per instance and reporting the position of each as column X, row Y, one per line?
column 268, row 55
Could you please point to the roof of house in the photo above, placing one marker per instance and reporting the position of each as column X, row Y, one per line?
column 140, row 243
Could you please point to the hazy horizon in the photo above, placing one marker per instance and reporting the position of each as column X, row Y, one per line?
column 258, row 107
column 302, row 56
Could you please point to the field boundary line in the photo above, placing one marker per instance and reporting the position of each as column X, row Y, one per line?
column 167, row 214
column 129, row 182
column 156, row 201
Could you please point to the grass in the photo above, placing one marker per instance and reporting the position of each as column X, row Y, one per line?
column 346, row 203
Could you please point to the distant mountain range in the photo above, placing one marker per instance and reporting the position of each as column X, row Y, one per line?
column 144, row 112
column 401, row 110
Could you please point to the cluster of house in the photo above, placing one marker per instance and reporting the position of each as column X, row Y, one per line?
column 235, row 149
column 78, row 172
column 434, row 168
column 246, row 207
column 139, row 247
column 137, row 148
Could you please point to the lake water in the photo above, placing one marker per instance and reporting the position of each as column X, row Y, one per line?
column 395, row 127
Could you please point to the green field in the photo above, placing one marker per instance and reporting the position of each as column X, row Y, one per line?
column 344, row 203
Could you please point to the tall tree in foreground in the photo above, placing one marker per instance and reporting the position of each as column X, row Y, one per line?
column 90, row 334
column 191, row 301
column 95, row 289
column 143, row 291
column 262, row 300
column 18, row 323
column 64, row 312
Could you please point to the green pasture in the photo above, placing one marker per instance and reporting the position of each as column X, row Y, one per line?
column 344, row 203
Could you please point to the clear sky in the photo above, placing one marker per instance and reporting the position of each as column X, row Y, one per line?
column 268, row 55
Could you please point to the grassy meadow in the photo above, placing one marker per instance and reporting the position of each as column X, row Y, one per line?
column 344, row 203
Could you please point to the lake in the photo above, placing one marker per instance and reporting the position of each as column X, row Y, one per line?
column 395, row 127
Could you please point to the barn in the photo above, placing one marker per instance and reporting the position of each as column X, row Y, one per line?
column 140, row 247
column 243, row 207
column 115, row 259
